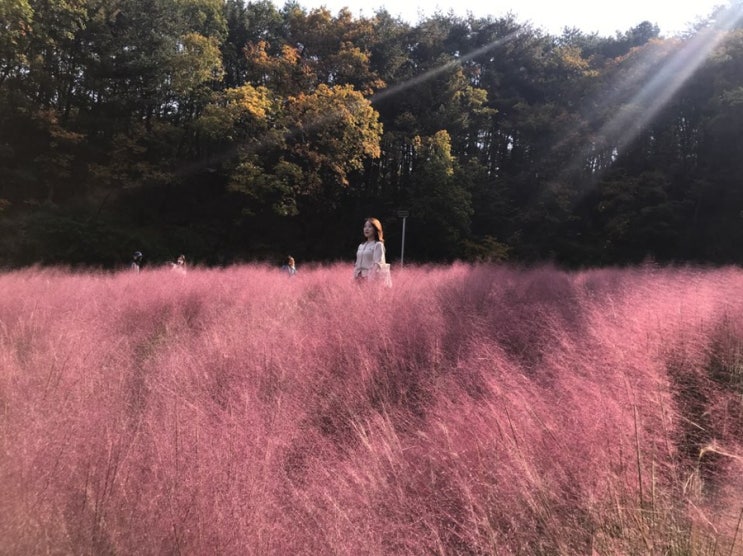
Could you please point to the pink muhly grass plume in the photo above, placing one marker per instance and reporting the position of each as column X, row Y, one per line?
column 468, row 409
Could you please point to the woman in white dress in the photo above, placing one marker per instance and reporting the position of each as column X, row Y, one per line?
column 370, row 256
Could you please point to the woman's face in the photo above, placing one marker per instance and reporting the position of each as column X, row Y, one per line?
column 369, row 232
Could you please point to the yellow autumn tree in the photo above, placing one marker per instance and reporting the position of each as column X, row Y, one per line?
column 334, row 130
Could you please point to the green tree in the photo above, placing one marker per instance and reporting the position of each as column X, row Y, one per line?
column 440, row 207
column 15, row 20
column 249, row 23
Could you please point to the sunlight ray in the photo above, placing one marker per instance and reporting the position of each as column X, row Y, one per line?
column 375, row 98
column 661, row 85
column 430, row 74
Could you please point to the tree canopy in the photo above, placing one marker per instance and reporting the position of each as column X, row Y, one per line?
column 237, row 131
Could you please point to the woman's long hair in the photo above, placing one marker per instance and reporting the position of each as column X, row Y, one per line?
column 377, row 225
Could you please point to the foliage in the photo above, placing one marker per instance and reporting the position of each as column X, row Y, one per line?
column 291, row 149
column 442, row 207
column 285, row 119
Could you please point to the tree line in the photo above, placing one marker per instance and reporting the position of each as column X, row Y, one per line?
column 245, row 131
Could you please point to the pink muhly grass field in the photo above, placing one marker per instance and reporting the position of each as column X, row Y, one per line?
column 467, row 410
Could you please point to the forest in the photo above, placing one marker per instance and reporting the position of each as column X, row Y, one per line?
column 237, row 132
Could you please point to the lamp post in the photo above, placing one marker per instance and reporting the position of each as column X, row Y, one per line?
column 404, row 215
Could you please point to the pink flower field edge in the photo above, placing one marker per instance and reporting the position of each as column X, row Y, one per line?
column 466, row 410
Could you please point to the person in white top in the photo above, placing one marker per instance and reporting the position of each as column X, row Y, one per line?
column 289, row 266
column 370, row 256
column 136, row 261
column 179, row 265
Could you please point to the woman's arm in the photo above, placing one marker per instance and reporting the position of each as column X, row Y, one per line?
column 357, row 267
column 378, row 253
